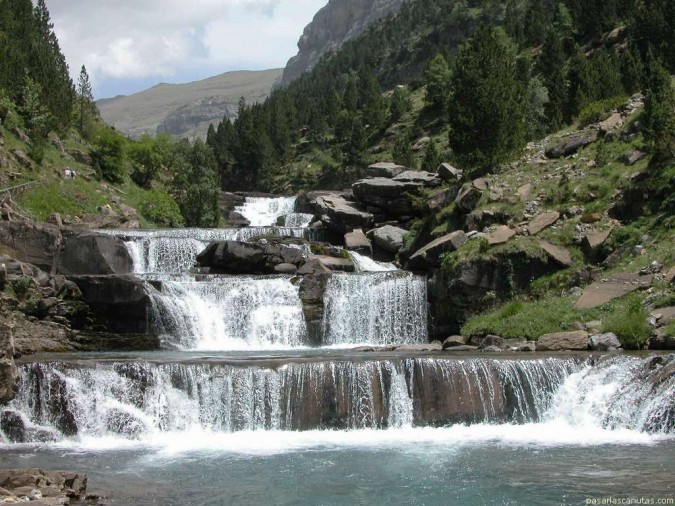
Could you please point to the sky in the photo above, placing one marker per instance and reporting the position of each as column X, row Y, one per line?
column 131, row 45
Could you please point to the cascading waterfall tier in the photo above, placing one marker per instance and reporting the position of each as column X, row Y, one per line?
column 375, row 308
column 228, row 312
column 136, row 399
column 264, row 212
column 173, row 251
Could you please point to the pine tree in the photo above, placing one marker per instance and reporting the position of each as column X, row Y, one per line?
column 486, row 107
column 85, row 104
column 400, row 104
column 659, row 113
column 437, row 76
column 432, row 157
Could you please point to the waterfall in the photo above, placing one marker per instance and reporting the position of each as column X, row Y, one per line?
column 375, row 308
column 363, row 263
column 175, row 250
column 134, row 400
column 228, row 312
column 264, row 212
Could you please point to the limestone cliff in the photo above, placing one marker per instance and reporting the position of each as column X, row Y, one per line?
column 331, row 27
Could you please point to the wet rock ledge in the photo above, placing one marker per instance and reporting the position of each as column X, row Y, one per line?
column 48, row 488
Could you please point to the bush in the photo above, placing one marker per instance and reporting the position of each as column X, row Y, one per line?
column 108, row 155
column 628, row 320
column 599, row 111
column 21, row 286
column 161, row 209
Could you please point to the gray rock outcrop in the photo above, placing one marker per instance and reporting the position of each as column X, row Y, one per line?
column 332, row 26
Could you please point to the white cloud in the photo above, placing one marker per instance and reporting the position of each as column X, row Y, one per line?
column 174, row 40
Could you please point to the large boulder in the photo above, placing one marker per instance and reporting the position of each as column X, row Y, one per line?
column 384, row 169
column 441, row 198
column 467, row 198
column 449, row 173
column 340, row 215
column 388, row 238
column 389, row 195
column 604, row 342
column 121, row 304
column 563, row 341
column 572, row 145
column 429, row 255
column 237, row 257
column 473, row 285
column 357, row 241
column 9, row 375
column 334, row 263
column 89, row 253
column 34, row 243
column 426, row 179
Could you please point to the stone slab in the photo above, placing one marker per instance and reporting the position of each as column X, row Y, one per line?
column 542, row 221
column 611, row 288
column 501, row 235
column 557, row 253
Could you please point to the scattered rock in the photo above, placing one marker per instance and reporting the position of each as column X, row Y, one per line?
column 559, row 341
column 615, row 121
column 591, row 218
column 420, row 144
column 489, row 340
column 80, row 156
column 464, row 347
column 449, row 173
column 467, row 198
column 384, row 169
column 435, row 346
column 441, row 198
column 501, row 235
column 285, row 269
column 481, row 184
column 454, row 341
column 611, row 288
column 22, row 135
column 632, row 157
column 542, row 221
column 593, row 242
column 527, row 346
column 429, row 255
column 557, row 253
column 22, row 158
column 604, row 342
column 95, row 254
column 524, row 192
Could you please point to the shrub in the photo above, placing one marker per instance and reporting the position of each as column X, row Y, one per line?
column 599, row 111
column 161, row 209
column 628, row 320
column 21, row 286
column 108, row 155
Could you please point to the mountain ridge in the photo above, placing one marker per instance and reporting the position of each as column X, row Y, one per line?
column 186, row 109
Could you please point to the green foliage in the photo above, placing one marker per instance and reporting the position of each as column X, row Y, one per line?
column 599, row 111
column 147, row 156
column 536, row 100
column 487, row 106
column 669, row 330
column 403, row 153
column 195, row 184
column 85, row 110
column 35, row 114
column 22, row 286
column 528, row 319
column 659, row 113
column 108, row 155
column 432, row 157
column 437, row 76
column 628, row 320
column 400, row 103
column 161, row 209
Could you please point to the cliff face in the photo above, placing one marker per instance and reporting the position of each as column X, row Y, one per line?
column 332, row 26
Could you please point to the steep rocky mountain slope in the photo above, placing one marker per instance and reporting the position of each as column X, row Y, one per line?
column 335, row 24
column 186, row 109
